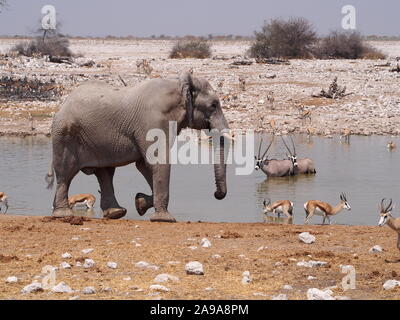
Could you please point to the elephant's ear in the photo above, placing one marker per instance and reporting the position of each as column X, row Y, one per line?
column 187, row 95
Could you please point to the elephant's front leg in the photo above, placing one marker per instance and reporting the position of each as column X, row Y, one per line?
column 108, row 203
column 161, row 175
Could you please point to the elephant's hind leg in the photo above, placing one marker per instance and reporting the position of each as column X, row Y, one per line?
column 143, row 202
column 108, row 203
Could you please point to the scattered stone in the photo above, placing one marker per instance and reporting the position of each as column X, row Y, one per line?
column 160, row 288
column 246, row 277
column 62, row 287
column 316, row 294
column 106, row 289
column 376, row 248
column 66, row 255
column 209, row 289
column 164, row 277
column 242, row 256
column 287, row 287
column 391, row 284
column 259, row 294
column 74, row 298
column 112, row 265
column 192, row 247
column 205, row 243
column 311, row 264
column 311, row 278
column 78, row 264
column 12, row 279
column 127, row 279
column 262, row 248
column 89, row 263
column 216, row 256
column 173, row 262
column 65, row 265
column 195, row 268
column 142, row 264
column 33, row 287
column 281, row 296
column 89, row 290
column 306, row 237
column 87, row 251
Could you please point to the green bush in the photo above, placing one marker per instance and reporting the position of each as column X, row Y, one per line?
column 199, row 49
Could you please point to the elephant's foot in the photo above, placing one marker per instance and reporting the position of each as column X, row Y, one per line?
column 114, row 213
column 143, row 203
column 164, row 216
column 62, row 212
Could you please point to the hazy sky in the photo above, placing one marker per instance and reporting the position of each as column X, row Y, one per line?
column 201, row 17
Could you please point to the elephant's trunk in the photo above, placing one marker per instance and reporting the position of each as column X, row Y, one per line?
column 221, row 125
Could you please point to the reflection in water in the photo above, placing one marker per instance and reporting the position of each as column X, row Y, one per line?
column 277, row 220
column 365, row 169
column 84, row 212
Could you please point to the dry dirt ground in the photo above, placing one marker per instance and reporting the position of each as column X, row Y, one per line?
column 30, row 243
column 272, row 92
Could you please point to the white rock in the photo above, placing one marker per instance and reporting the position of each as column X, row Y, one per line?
column 78, row 264
column 127, row 279
column 157, row 287
column 192, row 247
column 62, row 287
column 87, row 251
column 142, row 264
column 66, row 255
column 280, row 297
column 262, row 248
column 89, row 263
column 205, row 243
column 216, row 256
column 287, row 287
column 74, row 298
column 391, row 284
column 316, row 294
column 246, row 277
column 209, row 289
column 164, row 277
column 112, row 265
column 33, row 287
column 306, row 237
column 376, row 248
column 173, row 262
column 12, row 279
column 259, row 294
column 89, row 290
column 311, row 264
column 65, row 265
column 194, row 267
column 311, row 278
column 242, row 256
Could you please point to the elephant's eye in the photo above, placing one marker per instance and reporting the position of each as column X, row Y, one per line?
column 214, row 105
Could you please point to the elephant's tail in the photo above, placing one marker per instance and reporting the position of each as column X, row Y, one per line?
column 50, row 177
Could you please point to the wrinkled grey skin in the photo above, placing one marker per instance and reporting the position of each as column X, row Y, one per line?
column 275, row 168
column 99, row 128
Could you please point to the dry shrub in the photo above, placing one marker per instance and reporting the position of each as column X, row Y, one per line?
column 54, row 46
column 199, row 49
column 293, row 38
column 346, row 45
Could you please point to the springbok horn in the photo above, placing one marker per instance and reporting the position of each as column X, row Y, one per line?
column 388, row 208
column 265, row 153
column 286, row 146
column 382, row 205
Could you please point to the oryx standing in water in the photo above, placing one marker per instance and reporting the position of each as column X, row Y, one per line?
column 4, row 199
column 304, row 165
column 273, row 167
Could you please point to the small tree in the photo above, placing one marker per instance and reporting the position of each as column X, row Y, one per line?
column 279, row 38
column 346, row 45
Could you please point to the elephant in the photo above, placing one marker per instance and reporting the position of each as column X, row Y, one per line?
column 99, row 128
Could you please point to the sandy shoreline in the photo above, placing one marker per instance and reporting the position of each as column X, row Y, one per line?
column 371, row 108
column 269, row 252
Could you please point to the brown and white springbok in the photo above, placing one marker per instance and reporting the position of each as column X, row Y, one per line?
column 279, row 207
column 4, row 200
column 86, row 199
column 386, row 218
column 325, row 209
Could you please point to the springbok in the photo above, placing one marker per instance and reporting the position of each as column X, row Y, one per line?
column 273, row 167
column 391, row 145
column 387, row 218
column 4, row 199
column 325, row 209
column 86, row 199
column 345, row 135
column 304, row 165
column 279, row 207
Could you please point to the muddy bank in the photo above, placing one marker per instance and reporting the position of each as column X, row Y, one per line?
column 269, row 252
column 269, row 97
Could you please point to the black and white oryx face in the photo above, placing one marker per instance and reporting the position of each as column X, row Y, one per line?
column 260, row 159
column 386, row 212
column 292, row 156
column 343, row 198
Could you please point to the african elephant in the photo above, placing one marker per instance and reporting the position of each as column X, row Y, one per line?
column 99, row 128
